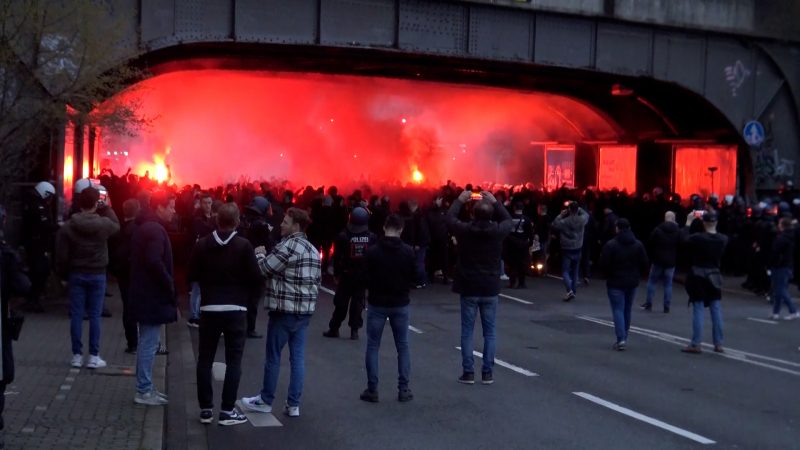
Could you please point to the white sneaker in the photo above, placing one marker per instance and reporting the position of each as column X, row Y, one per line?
column 504, row 277
column 95, row 362
column 256, row 404
column 149, row 398
column 291, row 411
column 792, row 316
column 775, row 317
column 77, row 361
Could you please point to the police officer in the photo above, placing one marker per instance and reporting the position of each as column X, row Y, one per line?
column 38, row 239
column 256, row 228
column 516, row 247
column 349, row 269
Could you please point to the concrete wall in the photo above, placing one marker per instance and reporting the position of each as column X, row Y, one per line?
column 731, row 15
column 766, row 18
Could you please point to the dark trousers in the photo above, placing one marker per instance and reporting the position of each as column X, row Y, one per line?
column 438, row 259
column 517, row 262
column 128, row 321
column 39, row 271
column 350, row 295
column 252, row 314
column 8, row 374
column 212, row 324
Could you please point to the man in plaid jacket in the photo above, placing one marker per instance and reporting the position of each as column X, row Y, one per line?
column 293, row 272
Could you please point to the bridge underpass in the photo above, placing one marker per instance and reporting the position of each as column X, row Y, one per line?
column 673, row 86
column 259, row 117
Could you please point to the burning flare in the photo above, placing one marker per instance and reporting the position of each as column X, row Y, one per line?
column 417, row 176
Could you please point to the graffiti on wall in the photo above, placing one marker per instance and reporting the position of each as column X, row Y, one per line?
column 769, row 167
column 736, row 74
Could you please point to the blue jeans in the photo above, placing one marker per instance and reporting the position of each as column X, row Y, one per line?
column 194, row 301
column 621, row 302
column 86, row 294
column 149, row 336
column 780, row 290
column 697, row 322
column 488, row 309
column 398, row 320
column 285, row 328
column 660, row 274
column 422, row 276
column 570, row 261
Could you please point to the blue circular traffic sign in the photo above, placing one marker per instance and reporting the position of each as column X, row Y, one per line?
column 753, row 132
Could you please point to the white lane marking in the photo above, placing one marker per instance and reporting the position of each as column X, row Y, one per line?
column 258, row 419
column 324, row 289
column 771, row 322
column 555, row 276
column 736, row 355
column 646, row 419
column 516, row 299
column 415, row 329
column 517, row 369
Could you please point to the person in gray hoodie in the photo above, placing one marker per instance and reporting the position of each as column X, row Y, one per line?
column 570, row 225
column 82, row 258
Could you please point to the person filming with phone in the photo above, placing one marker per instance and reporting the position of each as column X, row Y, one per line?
column 477, row 274
column 570, row 225
column 82, row 258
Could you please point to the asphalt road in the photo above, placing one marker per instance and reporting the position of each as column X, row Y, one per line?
column 583, row 394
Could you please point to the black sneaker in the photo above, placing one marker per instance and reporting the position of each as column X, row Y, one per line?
column 254, row 335
column 666, row 310
column 646, row 307
column 369, row 396
column 405, row 395
column 206, row 416
column 105, row 313
column 487, row 378
column 467, row 378
column 130, row 350
column 331, row 333
column 162, row 350
column 354, row 334
column 194, row 323
column 619, row 346
column 232, row 418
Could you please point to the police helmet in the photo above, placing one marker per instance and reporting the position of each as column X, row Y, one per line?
column 82, row 184
column 45, row 189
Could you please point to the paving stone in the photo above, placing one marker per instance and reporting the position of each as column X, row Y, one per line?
column 52, row 405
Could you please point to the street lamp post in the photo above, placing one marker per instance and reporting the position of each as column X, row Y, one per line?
column 712, row 169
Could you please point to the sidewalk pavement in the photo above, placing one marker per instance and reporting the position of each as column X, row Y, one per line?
column 52, row 405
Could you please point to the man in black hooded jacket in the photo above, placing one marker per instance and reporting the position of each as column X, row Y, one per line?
column 664, row 255
column 225, row 266
column 624, row 260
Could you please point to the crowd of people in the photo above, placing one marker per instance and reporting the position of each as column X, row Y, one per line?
column 247, row 243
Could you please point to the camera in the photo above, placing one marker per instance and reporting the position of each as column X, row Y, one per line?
column 475, row 196
column 103, row 200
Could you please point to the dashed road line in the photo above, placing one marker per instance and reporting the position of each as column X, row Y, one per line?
column 329, row 291
column 526, row 302
column 755, row 319
column 415, row 329
column 655, row 422
column 730, row 353
column 502, row 363
column 259, row 419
